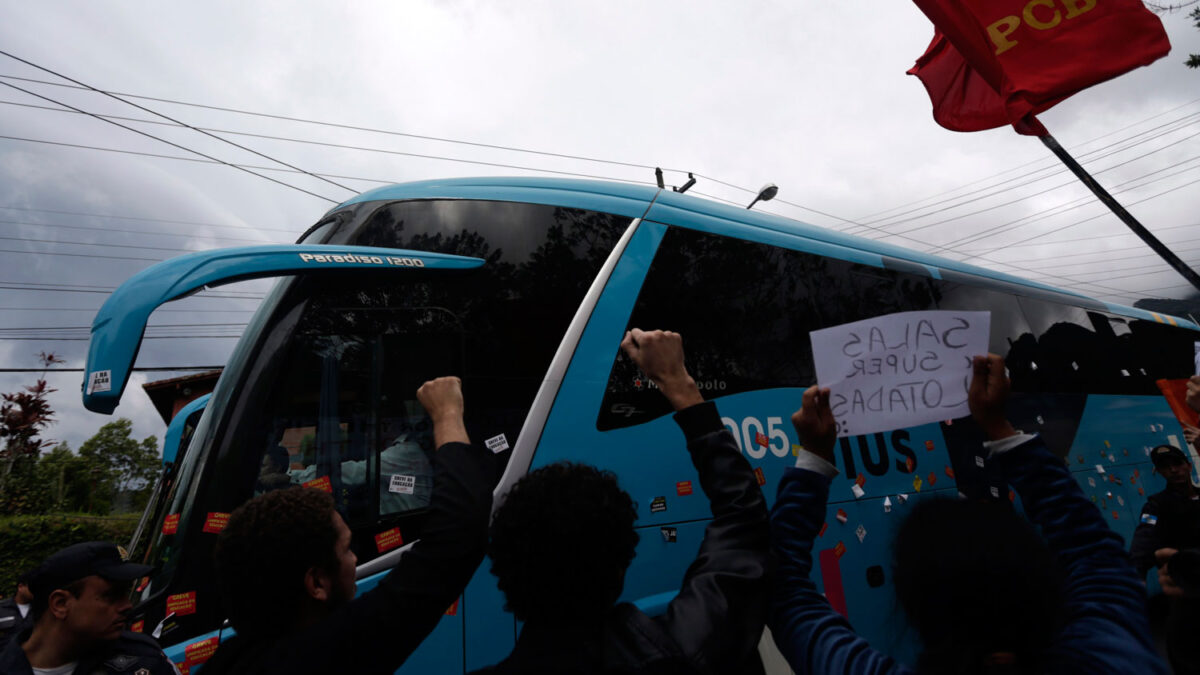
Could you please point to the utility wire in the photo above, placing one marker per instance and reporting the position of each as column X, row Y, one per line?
column 95, row 228
column 163, row 140
column 1085, row 158
column 1048, row 161
column 172, row 119
column 293, row 232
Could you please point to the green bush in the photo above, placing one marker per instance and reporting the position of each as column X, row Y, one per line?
column 25, row 541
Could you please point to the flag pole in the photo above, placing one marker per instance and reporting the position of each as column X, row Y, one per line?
column 1125, row 216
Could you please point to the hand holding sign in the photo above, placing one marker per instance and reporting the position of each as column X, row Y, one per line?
column 988, row 396
column 899, row 370
column 815, row 424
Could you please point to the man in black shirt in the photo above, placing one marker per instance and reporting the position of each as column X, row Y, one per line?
column 14, row 612
column 287, row 574
column 80, row 607
column 1171, row 520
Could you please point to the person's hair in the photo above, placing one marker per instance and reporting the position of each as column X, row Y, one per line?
column 978, row 584
column 41, row 597
column 561, row 542
column 265, row 551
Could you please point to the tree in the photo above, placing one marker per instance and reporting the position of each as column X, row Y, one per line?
column 121, row 470
column 66, row 477
column 1194, row 59
column 23, row 416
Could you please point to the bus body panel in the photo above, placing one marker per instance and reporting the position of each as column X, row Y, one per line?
column 601, row 412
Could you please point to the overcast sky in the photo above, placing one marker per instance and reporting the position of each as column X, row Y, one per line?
column 810, row 96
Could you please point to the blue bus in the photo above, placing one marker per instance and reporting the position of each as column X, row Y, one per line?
column 524, row 287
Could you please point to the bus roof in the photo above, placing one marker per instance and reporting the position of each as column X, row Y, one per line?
column 634, row 200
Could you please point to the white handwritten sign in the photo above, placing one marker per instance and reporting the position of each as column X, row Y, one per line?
column 899, row 370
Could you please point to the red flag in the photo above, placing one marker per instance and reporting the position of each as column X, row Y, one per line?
column 997, row 62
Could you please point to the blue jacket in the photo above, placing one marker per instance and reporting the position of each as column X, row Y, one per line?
column 1105, row 630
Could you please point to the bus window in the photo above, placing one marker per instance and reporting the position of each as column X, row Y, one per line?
column 1010, row 335
column 323, row 393
column 750, row 310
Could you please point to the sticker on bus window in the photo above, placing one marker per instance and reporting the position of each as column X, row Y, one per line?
column 759, row 477
column 932, row 480
column 929, row 446
column 99, row 381
column 762, row 439
column 841, row 516
column 824, row 526
column 199, row 652
column 388, row 540
column 683, row 487
column 860, row 532
column 917, row 483
column 137, row 626
column 950, row 472
column 402, row 484
column 452, row 610
column 857, row 491
column 839, row 550
column 182, row 604
column 323, row 484
column 669, row 534
column 658, row 505
column 497, row 443
column 215, row 522
column 171, row 524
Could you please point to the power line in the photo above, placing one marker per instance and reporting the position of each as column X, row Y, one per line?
column 163, row 140
column 1048, row 161
column 96, row 228
column 158, row 114
column 1053, row 173
column 140, row 218
column 1030, row 196
column 351, row 127
column 544, row 153
column 1060, row 209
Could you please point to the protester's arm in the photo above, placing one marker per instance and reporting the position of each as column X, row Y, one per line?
column 1104, row 614
column 809, row 633
column 379, row 630
column 717, row 617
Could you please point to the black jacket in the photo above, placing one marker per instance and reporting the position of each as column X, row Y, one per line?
column 377, row 631
column 714, row 624
column 1168, row 520
column 11, row 621
column 129, row 654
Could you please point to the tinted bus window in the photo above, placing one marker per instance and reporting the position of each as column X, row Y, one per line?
column 744, row 310
column 326, row 395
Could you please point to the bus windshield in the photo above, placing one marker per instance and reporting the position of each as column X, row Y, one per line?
column 321, row 390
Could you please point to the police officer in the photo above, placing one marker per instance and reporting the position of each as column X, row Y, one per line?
column 80, row 603
column 14, row 612
column 1171, row 520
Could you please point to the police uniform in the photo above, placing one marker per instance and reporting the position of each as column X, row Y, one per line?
column 1171, row 520
column 130, row 654
column 11, row 621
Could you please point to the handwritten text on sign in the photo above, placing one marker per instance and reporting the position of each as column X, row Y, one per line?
column 899, row 370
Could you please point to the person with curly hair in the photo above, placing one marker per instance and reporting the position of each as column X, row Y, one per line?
column 286, row 572
column 564, row 537
column 985, row 592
